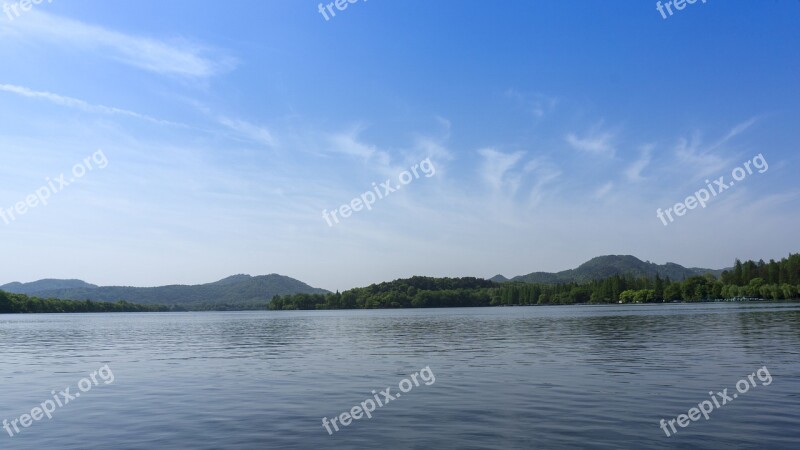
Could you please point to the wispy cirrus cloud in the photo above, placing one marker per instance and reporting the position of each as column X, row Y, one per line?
column 432, row 146
column 82, row 105
column 349, row 143
column 495, row 167
column 242, row 129
column 603, row 190
column 634, row 171
column 544, row 173
column 597, row 143
column 735, row 131
column 249, row 131
column 537, row 104
column 691, row 152
column 175, row 57
column 707, row 158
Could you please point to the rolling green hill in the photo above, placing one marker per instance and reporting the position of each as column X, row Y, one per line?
column 238, row 290
column 605, row 266
column 45, row 285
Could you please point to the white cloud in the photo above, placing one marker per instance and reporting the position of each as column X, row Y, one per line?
column 348, row 143
column 707, row 160
column 177, row 57
column 735, row 131
column 691, row 152
column 544, row 173
column 249, row 131
column 634, row 171
column 495, row 166
column 603, row 190
column 595, row 143
column 82, row 105
column 429, row 146
column 537, row 104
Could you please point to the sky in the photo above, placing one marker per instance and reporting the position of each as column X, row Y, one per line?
column 199, row 140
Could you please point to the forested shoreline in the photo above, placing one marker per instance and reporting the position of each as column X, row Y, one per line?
column 23, row 304
column 775, row 280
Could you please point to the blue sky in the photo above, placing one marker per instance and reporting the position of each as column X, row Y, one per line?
column 556, row 129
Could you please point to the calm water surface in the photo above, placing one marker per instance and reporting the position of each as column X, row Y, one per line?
column 526, row 377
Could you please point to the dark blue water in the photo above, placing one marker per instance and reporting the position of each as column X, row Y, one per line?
column 527, row 377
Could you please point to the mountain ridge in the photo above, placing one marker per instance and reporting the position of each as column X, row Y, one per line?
column 606, row 266
column 243, row 289
column 234, row 290
column 44, row 285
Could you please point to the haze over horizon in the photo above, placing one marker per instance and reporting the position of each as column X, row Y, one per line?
column 228, row 131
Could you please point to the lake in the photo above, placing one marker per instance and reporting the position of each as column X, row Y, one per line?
column 522, row 377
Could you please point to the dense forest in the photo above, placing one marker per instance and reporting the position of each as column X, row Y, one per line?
column 19, row 303
column 776, row 280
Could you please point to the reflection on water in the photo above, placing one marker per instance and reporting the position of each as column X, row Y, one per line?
column 524, row 377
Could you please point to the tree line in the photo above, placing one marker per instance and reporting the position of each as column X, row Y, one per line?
column 776, row 280
column 19, row 304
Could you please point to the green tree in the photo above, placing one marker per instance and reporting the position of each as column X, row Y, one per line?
column 658, row 292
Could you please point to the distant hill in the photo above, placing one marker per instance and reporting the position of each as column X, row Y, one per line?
column 499, row 279
column 235, row 290
column 606, row 266
column 45, row 285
